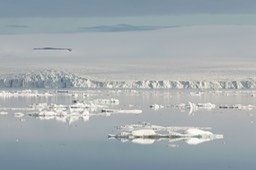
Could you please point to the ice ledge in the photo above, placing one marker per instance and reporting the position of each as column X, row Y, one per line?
column 58, row 79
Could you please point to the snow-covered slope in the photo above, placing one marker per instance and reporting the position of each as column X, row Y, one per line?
column 57, row 79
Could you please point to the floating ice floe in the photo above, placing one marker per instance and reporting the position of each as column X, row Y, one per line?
column 19, row 115
column 132, row 111
column 192, row 107
column 65, row 116
column 72, row 115
column 77, row 111
column 106, row 101
column 198, row 93
column 156, row 106
column 25, row 93
column 72, row 112
column 3, row 113
column 145, row 133
column 238, row 107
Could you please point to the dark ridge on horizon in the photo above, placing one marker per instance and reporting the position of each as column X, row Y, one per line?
column 123, row 28
column 17, row 26
column 52, row 48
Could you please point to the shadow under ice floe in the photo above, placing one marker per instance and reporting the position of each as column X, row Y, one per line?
column 145, row 133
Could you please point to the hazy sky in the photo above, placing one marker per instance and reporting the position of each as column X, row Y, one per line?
column 99, row 8
column 198, row 29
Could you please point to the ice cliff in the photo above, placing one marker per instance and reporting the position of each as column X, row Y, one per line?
column 58, row 79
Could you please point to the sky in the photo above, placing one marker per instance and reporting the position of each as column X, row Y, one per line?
column 66, row 16
column 117, row 8
column 205, row 28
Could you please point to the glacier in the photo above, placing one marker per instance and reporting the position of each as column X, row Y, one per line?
column 51, row 79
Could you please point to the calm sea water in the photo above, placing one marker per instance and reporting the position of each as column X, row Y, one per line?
column 33, row 144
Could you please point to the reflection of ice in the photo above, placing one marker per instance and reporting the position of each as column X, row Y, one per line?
column 145, row 133
column 143, row 141
column 196, row 141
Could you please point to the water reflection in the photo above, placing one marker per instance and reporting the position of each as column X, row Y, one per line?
column 85, row 144
column 145, row 133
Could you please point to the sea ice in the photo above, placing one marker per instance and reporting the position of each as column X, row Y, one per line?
column 193, row 107
column 19, row 115
column 238, row 107
column 156, row 106
column 3, row 113
column 145, row 133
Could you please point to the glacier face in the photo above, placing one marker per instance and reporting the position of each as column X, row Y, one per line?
column 57, row 79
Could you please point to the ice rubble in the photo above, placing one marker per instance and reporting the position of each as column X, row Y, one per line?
column 68, row 113
column 78, row 111
column 58, row 79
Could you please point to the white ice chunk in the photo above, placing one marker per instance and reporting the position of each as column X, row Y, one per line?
column 143, row 132
column 156, row 106
column 122, row 111
column 19, row 115
column 198, row 132
column 106, row 101
column 3, row 113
